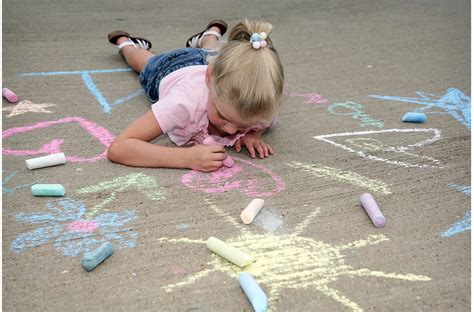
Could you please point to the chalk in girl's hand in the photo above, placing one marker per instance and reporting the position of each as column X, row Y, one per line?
column 48, row 190
column 414, row 117
column 46, row 161
column 9, row 95
column 96, row 257
column 228, row 162
column 251, row 211
column 230, row 253
column 373, row 210
column 254, row 293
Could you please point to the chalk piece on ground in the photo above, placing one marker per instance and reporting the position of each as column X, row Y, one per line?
column 46, row 161
column 230, row 253
column 254, row 293
column 228, row 162
column 251, row 211
column 373, row 210
column 9, row 95
column 48, row 190
column 96, row 257
column 414, row 117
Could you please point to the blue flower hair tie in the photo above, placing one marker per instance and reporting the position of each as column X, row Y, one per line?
column 259, row 40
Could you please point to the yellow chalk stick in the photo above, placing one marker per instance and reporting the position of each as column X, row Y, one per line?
column 230, row 253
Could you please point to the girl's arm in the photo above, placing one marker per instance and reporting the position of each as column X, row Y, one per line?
column 132, row 148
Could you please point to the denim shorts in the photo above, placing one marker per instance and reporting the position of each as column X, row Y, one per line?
column 164, row 64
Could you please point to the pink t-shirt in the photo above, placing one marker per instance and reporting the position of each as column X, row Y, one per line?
column 181, row 110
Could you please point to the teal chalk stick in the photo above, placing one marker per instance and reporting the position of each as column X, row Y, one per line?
column 414, row 117
column 254, row 293
column 48, row 190
column 96, row 257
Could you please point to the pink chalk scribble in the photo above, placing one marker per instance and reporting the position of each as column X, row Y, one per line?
column 83, row 226
column 226, row 179
column 310, row 98
column 54, row 146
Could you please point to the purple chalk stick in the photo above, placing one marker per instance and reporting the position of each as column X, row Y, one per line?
column 373, row 210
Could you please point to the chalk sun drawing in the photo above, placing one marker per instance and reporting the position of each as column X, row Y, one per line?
column 355, row 111
column 465, row 223
column 64, row 224
column 369, row 148
column 454, row 102
column 139, row 181
column 226, row 179
column 27, row 106
column 6, row 180
column 289, row 261
column 54, row 146
column 92, row 87
column 342, row 176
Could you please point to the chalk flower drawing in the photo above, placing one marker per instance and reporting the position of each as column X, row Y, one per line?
column 289, row 261
column 72, row 235
column 465, row 223
column 366, row 146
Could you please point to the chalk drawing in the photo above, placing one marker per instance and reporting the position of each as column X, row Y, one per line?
column 366, row 147
column 309, row 98
column 465, row 223
column 6, row 180
column 139, row 181
column 454, row 102
column 63, row 224
column 270, row 220
column 92, row 87
column 342, row 176
column 289, row 261
column 355, row 111
column 26, row 106
column 226, row 179
column 54, row 146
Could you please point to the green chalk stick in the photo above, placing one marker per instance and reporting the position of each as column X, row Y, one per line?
column 96, row 257
column 230, row 253
column 48, row 190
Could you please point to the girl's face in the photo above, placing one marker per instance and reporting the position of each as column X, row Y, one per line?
column 224, row 117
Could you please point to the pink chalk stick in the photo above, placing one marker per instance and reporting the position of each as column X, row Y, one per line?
column 373, row 210
column 9, row 95
column 228, row 162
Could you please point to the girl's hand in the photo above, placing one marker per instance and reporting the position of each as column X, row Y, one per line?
column 253, row 144
column 206, row 158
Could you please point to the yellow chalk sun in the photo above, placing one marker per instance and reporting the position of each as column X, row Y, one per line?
column 289, row 261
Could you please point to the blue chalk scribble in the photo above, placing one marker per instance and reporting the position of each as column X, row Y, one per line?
column 72, row 234
column 92, row 87
column 6, row 180
column 465, row 223
column 454, row 103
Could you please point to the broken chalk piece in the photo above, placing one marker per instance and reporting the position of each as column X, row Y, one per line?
column 251, row 211
column 230, row 253
column 373, row 210
column 9, row 95
column 46, row 161
column 414, row 117
column 254, row 293
column 96, row 257
column 48, row 190
column 228, row 162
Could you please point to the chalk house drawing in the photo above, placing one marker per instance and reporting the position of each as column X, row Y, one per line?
column 240, row 177
column 93, row 89
column 288, row 261
column 465, row 223
column 454, row 102
column 369, row 148
column 65, row 226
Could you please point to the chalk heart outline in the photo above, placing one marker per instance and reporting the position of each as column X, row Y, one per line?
column 54, row 146
column 221, row 181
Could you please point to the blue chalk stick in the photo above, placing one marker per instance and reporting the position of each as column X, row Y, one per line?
column 414, row 117
column 254, row 293
column 96, row 257
column 48, row 190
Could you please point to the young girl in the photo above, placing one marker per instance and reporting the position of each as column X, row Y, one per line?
column 231, row 94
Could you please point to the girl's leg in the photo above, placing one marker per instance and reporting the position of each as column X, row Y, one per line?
column 210, row 42
column 135, row 58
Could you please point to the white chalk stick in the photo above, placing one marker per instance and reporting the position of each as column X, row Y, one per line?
column 230, row 253
column 46, row 161
column 251, row 211
column 373, row 210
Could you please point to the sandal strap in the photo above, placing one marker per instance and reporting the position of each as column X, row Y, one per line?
column 126, row 44
column 195, row 42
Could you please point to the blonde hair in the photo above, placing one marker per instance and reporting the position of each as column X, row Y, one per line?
column 249, row 79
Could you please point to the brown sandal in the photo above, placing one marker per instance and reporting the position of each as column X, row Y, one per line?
column 195, row 40
column 137, row 41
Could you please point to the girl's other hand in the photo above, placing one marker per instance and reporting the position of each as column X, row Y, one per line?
column 206, row 158
column 254, row 145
